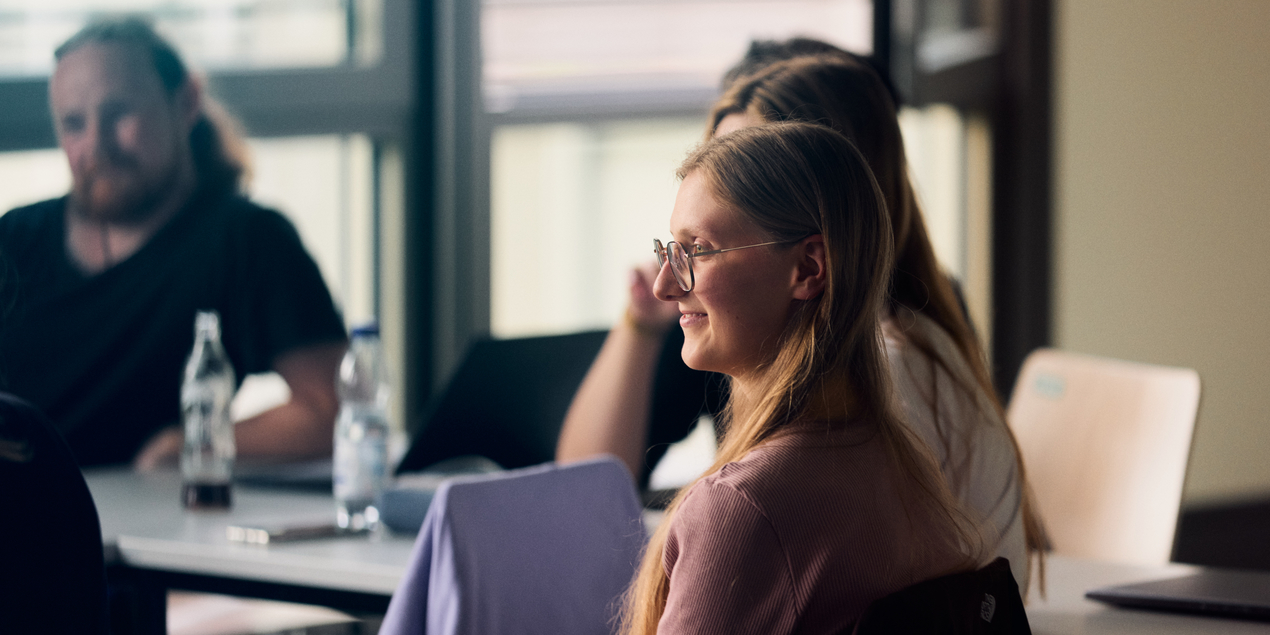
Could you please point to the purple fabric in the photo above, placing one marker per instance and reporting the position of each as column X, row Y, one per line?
column 545, row 549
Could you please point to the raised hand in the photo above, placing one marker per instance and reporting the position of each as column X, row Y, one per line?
column 645, row 312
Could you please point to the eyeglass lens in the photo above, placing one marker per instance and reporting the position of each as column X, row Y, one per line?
column 680, row 263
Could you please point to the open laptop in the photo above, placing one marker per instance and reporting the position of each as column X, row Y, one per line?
column 1219, row 592
column 506, row 401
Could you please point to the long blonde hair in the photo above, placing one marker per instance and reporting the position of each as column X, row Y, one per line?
column 850, row 97
column 794, row 180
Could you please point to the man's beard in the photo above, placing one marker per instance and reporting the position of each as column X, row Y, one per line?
column 128, row 200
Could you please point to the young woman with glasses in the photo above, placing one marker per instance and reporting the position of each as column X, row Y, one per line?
column 638, row 397
column 820, row 501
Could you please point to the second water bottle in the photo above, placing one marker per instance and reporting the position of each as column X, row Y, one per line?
column 361, row 432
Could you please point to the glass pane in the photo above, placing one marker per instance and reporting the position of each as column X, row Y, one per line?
column 541, row 45
column 574, row 207
column 211, row 34
column 323, row 184
column 31, row 176
column 574, row 204
column 935, row 144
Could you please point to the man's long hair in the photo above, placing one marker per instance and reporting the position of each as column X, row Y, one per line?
column 220, row 155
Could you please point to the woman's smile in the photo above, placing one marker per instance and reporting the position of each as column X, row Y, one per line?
column 690, row 319
column 733, row 316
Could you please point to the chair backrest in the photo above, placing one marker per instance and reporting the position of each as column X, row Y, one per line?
column 983, row 602
column 547, row 549
column 1105, row 443
column 52, row 576
column 506, row 401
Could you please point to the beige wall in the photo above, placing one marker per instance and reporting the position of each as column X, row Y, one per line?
column 1162, row 209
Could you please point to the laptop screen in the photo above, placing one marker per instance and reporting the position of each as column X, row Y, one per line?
column 506, row 401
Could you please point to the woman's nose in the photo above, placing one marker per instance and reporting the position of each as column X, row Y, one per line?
column 665, row 287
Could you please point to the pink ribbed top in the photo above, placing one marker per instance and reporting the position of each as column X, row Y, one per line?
column 798, row 536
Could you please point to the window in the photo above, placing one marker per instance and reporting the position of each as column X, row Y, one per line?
column 593, row 105
column 325, row 90
column 212, row 34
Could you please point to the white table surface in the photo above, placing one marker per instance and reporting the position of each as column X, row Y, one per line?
column 143, row 520
column 144, row 525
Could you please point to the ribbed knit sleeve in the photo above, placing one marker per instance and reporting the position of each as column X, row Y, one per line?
column 728, row 571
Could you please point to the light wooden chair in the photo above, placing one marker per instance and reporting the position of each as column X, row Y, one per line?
column 1105, row 443
column 209, row 614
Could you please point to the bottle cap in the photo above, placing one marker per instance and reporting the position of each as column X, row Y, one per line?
column 207, row 321
column 368, row 329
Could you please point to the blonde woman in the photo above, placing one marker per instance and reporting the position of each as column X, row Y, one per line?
column 820, row 501
column 638, row 395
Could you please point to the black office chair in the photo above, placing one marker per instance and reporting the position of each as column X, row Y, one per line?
column 982, row 602
column 506, row 401
column 52, row 577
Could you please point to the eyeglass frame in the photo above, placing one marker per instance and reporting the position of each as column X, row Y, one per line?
column 663, row 257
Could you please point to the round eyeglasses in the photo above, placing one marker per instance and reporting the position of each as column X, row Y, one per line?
column 681, row 259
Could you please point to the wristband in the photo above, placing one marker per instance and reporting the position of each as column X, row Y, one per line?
column 640, row 327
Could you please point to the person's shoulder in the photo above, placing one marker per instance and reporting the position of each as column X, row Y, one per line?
column 248, row 220
column 52, row 205
column 238, row 207
column 31, row 218
column 29, row 233
column 13, row 407
column 719, row 512
column 766, row 477
column 903, row 333
column 796, row 470
column 730, row 487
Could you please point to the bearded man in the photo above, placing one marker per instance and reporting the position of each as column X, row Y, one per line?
column 101, row 286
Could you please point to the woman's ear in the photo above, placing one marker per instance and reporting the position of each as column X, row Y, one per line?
column 812, row 273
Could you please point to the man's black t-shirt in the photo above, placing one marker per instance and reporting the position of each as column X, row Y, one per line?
column 102, row 355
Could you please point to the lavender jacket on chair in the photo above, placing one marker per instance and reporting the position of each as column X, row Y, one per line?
column 545, row 549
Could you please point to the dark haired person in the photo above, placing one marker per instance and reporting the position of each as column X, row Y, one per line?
column 105, row 281
column 764, row 53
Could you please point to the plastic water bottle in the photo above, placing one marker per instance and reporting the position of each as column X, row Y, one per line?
column 207, row 457
column 361, row 432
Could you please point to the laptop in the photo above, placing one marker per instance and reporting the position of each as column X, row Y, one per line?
column 506, row 401
column 1217, row 592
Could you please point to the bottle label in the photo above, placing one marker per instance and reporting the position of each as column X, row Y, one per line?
column 360, row 461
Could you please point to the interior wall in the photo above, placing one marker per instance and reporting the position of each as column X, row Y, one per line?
column 1162, row 226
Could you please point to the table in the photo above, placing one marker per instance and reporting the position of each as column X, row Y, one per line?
column 146, row 532
column 145, row 529
column 1066, row 611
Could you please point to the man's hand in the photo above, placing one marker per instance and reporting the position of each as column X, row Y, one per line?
column 302, row 428
column 162, row 450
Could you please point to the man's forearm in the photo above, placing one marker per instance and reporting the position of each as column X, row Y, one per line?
column 305, row 425
column 293, row 430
